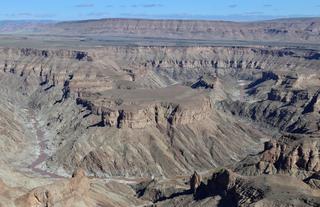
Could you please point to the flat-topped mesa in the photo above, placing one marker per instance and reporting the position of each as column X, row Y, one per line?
column 161, row 113
column 122, row 113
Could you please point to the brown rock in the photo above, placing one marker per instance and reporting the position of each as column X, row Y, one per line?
column 195, row 181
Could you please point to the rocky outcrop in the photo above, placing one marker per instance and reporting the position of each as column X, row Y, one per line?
column 265, row 76
column 62, row 193
column 288, row 155
column 276, row 157
column 233, row 189
column 195, row 181
column 79, row 190
column 206, row 82
column 38, row 197
column 313, row 104
column 313, row 180
column 160, row 190
column 226, row 188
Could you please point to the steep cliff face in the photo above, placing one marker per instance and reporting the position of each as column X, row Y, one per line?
column 287, row 101
column 155, row 66
column 193, row 58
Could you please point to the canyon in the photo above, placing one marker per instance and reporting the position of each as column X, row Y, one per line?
column 85, row 123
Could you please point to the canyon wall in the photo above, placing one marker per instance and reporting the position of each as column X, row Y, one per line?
column 132, row 110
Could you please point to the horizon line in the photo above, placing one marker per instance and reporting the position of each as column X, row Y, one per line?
column 271, row 18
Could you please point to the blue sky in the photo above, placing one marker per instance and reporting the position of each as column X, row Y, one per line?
column 174, row 9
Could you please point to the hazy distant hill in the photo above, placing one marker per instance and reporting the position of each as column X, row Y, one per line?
column 296, row 30
column 289, row 30
column 24, row 26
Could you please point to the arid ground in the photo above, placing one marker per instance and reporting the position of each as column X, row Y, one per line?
column 122, row 112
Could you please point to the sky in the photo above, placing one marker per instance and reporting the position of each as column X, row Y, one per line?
column 235, row 10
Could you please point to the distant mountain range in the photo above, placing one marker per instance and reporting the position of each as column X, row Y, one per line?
column 302, row 30
column 24, row 26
